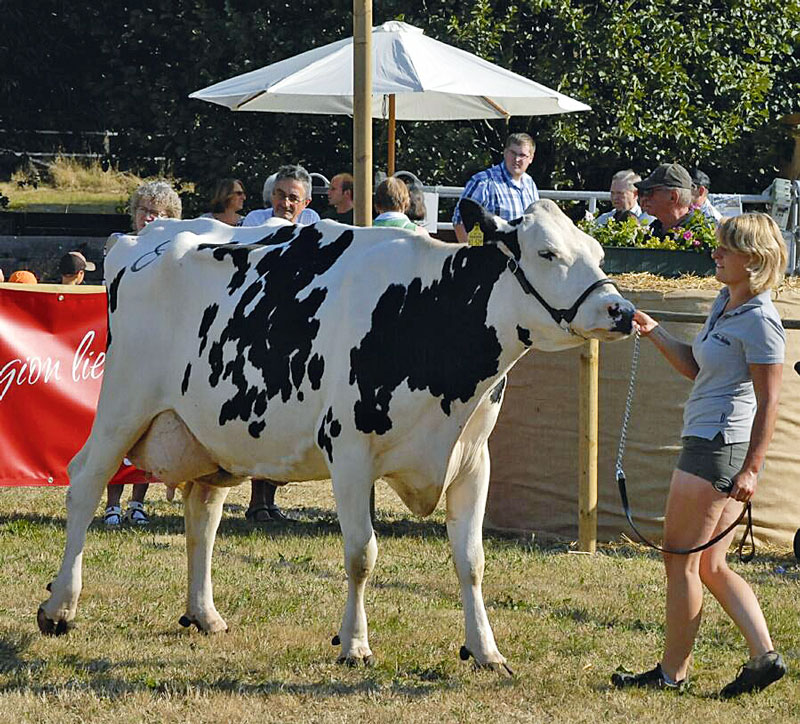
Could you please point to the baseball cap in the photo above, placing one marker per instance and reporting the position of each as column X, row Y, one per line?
column 700, row 178
column 22, row 276
column 73, row 262
column 672, row 175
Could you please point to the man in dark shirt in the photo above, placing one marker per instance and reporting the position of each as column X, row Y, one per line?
column 666, row 194
column 340, row 197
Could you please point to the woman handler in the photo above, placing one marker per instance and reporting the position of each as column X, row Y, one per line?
column 736, row 362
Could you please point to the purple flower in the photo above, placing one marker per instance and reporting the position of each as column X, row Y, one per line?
column 687, row 235
column 695, row 243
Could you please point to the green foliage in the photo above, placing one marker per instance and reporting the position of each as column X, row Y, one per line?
column 701, row 83
column 696, row 234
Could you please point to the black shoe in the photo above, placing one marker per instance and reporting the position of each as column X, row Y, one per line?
column 653, row 679
column 755, row 675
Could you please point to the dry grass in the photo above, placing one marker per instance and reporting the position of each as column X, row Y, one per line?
column 564, row 622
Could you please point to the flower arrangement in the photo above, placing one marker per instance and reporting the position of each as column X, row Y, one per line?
column 697, row 234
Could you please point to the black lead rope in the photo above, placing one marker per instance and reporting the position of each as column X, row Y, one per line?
column 747, row 509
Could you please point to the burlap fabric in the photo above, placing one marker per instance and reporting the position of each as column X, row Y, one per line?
column 534, row 448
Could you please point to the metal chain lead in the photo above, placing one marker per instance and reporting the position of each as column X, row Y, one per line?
column 628, row 402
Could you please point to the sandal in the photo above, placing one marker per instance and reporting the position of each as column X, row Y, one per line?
column 277, row 514
column 112, row 517
column 259, row 514
column 135, row 514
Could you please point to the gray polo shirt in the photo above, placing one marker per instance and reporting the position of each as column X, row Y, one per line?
column 722, row 399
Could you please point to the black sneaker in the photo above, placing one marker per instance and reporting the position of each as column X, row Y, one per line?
column 757, row 674
column 653, row 679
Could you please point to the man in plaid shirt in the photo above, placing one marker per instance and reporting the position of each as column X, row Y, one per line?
column 505, row 189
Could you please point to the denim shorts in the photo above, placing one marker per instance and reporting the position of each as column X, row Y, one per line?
column 712, row 460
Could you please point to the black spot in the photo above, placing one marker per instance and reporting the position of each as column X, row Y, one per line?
column 328, row 428
column 209, row 315
column 113, row 291
column 497, row 391
column 434, row 338
column 271, row 328
column 316, row 366
column 524, row 336
column 256, row 428
column 512, row 242
column 186, row 374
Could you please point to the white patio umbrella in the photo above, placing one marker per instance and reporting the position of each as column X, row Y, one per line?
column 414, row 77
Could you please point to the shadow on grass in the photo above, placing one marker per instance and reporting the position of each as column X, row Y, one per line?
column 25, row 675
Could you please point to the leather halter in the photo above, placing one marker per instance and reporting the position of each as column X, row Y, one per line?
column 560, row 316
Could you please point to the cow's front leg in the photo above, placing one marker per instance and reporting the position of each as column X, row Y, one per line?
column 202, row 512
column 351, row 487
column 466, row 503
column 89, row 471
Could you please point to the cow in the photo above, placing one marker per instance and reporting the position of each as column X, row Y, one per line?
column 327, row 352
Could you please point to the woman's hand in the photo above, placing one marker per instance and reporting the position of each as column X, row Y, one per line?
column 744, row 485
column 644, row 323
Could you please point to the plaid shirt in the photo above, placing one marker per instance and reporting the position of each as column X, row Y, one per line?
column 499, row 194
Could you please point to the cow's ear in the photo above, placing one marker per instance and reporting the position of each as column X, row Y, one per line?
column 473, row 213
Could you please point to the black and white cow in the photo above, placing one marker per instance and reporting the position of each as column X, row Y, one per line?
column 327, row 351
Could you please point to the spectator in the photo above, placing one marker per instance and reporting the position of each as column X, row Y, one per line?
column 505, row 190
column 287, row 197
column 624, row 199
column 22, row 276
column 416, row 204
column 736, row 362
column 73, row 267
column 700, row 200
column 290, row 194
column 340, row 197
column 666, row 194
column 391, row 203
column 152, row 200
column 227, row 202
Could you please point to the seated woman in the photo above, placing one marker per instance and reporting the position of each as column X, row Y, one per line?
column 227, row 202
column 391, row 203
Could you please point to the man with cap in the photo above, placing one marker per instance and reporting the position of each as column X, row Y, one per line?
column 73, row 266
column 666, row 194
column 702, row 185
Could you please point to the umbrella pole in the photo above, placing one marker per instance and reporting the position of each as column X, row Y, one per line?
column 362, row 112
column 390, row 152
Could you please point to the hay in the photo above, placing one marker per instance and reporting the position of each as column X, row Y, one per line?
column 647, row 282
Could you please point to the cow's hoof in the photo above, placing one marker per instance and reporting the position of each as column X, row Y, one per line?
column 220, row 627
column 497, row 666
column 335, row 641
column 354, row 661
column 49, row 627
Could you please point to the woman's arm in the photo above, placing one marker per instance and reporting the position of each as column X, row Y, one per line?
column 678, row 354
column 767, row 386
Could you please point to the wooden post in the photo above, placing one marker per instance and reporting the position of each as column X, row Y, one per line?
column 390, row 152
column 362, row 112
column 587, row 433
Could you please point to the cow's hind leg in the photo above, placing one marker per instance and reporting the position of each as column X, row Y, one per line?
column 351, row 486
column 466, row 502
column 202, row 513
column 89, row 472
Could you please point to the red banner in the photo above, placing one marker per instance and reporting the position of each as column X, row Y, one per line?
column 52, row 352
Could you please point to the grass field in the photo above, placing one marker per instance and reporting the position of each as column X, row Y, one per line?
column 564, row 621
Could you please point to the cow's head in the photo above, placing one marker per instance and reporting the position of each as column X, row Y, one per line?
column 557, row 266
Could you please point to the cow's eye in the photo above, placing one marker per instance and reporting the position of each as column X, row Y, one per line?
column 549, row 255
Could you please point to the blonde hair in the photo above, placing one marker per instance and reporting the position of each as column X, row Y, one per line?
column 758, row 236
column 161, row 194
column 392, row 195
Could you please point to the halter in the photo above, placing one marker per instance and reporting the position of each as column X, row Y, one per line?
column 560, row 316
